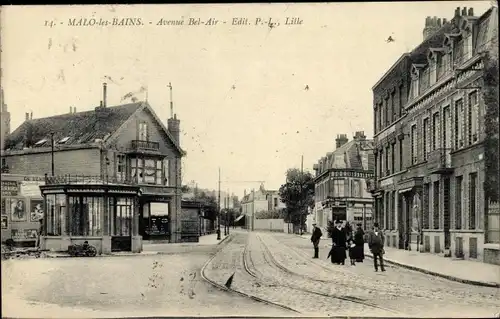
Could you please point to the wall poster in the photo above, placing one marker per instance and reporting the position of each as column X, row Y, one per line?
column 36, row 213
column 5, row 222
column 18, row 210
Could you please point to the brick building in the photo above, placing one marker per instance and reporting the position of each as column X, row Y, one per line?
column 114, row 174
column 429, row 124
column 342, row 180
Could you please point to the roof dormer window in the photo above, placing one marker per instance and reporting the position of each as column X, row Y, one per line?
column 41, row 142
column 415, row 87
column 64, row 140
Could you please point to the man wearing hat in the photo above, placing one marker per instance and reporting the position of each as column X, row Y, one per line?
column 316, row 236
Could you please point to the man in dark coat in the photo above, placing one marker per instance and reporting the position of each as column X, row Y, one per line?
column 339, row 239
column 359, row 241
column 316, row 236
column 376, row 244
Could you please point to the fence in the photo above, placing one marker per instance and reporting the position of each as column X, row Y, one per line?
column 269, row 224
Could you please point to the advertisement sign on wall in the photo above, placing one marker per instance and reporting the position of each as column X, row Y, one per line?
column 17, row 209
column 30, row 188
column 5, row 224
column 20, row 234
column 36, row 210
column 10, row 188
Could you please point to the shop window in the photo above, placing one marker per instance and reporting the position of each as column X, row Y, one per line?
column 56, row 212
column 121, row 216
column 86, row 215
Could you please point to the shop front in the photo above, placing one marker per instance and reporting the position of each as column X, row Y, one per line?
column 105, row 215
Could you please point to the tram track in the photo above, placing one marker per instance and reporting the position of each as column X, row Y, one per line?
column 234, row 291
column 273, row 262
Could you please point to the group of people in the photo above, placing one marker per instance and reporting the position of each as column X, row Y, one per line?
column 345, row 239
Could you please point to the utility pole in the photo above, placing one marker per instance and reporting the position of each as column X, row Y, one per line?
column 218, row 209
column 301, row 191
column 225, row 217
column 171, row 101
column 52, row 151
column 227, row 211
column 253, row 208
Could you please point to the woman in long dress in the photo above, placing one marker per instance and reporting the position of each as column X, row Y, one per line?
column 338, row 252
column 359, row 241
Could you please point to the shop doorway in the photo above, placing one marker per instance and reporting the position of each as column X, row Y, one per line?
column 121, row 225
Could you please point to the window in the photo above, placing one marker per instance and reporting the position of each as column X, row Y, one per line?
column 440, row 66
column 64, row 140
column 446, row 127
column 435, row 131
column 339, row 188
column 86, row 215
column 472, row 118
column 426, row 138
column 275, row 202
column 472, row 200
column 120, row 167
column 387, row 112
column 41, row 142
column 393, row 148
column 459, row 109
column 435, row 200
column 458, row 52
column 393, row 211
column 166, row 169
column 137, row 168
column 382, row 163
column 468, row 48
column 56, row 212
column 458, row 202
column 401, row 99
column 355, row 188
column 387, row 172
column 433, row 73
column 426, row 206
column 393, row 106
column 382, row 113
column 143, row 131
column 401, row 164
column 414, row 144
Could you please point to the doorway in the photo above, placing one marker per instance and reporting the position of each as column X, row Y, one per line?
column 446, row 213
column 121, row 224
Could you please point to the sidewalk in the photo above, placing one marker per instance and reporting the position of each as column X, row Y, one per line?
column 465, row 271
column 157, row 248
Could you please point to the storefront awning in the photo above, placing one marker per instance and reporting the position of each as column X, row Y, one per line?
column 239, row 218
column 404, row 190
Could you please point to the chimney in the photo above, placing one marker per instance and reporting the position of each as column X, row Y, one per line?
column 432, row 24
column 70, row 110
column 444, row 21
column 464, row 11
column 341, row 140
column 360, row 136
column 471, row 12
column 173, row 125
column 27, row 116
column 457, row 12
column 29, row 134
column 31, row 115
column 439, row 22
column 74, row 109
column 104, row 93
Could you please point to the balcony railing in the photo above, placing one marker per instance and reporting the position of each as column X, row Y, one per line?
column 439, row 160
column 145, row 145
column 84, row 180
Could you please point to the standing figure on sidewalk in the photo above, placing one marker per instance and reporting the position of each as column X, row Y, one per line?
column 376, row 244
column 350, row 242
column 316, row 236
column 339, row 240
column 359, row 241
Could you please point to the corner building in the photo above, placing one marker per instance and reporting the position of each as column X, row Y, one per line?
column 430, row 142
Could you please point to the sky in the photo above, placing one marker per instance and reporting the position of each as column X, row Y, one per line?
column 239, row 90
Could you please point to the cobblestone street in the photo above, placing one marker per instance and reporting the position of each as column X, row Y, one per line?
column 278, row 267
column 151, row 285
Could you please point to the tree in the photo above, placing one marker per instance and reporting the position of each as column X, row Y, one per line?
column 185, row 189
column 297, row 194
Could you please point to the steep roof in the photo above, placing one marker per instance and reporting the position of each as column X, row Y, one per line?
column 79, row 128
column 350, row 156
column 72, row 128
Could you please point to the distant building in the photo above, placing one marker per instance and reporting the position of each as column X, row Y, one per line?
column 258, row 201
column 430, row 128
column 115, row 179
column 341, row 182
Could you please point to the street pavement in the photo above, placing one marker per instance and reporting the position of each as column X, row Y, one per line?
column 273, row 267
column 279, row 268
column 148, row 285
